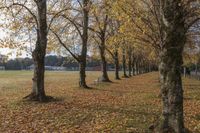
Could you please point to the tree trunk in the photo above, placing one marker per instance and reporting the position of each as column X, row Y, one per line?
column 82, row 58
column 38, row 92
column 116, row 65
column 172, row 92
column 133, row 66
column 34, row 85
column 184, row 71
column 136, row 68
column 82, row 67
column 150, row 68
column 171, row 61
column 82, row 81
column 146, row 68
column 124, row 63
column 104, row 77
column 130, row 63
column 196, row 69
column 139, row 67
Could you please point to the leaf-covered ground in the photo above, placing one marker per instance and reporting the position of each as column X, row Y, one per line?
column 128, row 105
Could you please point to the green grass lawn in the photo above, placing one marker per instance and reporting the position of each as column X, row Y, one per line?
column 128, row 105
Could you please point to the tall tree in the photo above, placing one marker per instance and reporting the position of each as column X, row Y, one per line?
column 34, row 18
column 113, row 44
column 164, row 25
column 130, row 53
column 80, row 22
column 99, row 26
column 38, row 92
column 173, row 41
column 124, row 54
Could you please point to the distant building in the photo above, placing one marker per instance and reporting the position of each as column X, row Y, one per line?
column 95, row 68
column 3, row 58
column 55, row 68
column 52, row 68
column 72, row 68
column 30, row 67
column 2, row 67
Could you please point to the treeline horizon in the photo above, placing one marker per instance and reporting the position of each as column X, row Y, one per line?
column 24, row 63
column 21, row 63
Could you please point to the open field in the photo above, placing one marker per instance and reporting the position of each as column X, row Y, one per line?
column 128, row 105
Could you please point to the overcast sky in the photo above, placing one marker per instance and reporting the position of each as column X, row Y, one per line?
column 6, row 51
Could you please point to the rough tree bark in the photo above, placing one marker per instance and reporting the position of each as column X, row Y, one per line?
column 170, row 65
column 102, row 49
column 38, row 92
column 139, row 67
column 184, row 71
column 171, row 88
column 149, row 67
column 133, row 65
column 196, row 69
column 116, row 57
column 136, row 67
column 82, row 72
column 82, row 58
column 124, row 63
column 130, row 62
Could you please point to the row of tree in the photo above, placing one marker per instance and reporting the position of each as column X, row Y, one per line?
column 146, row 32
